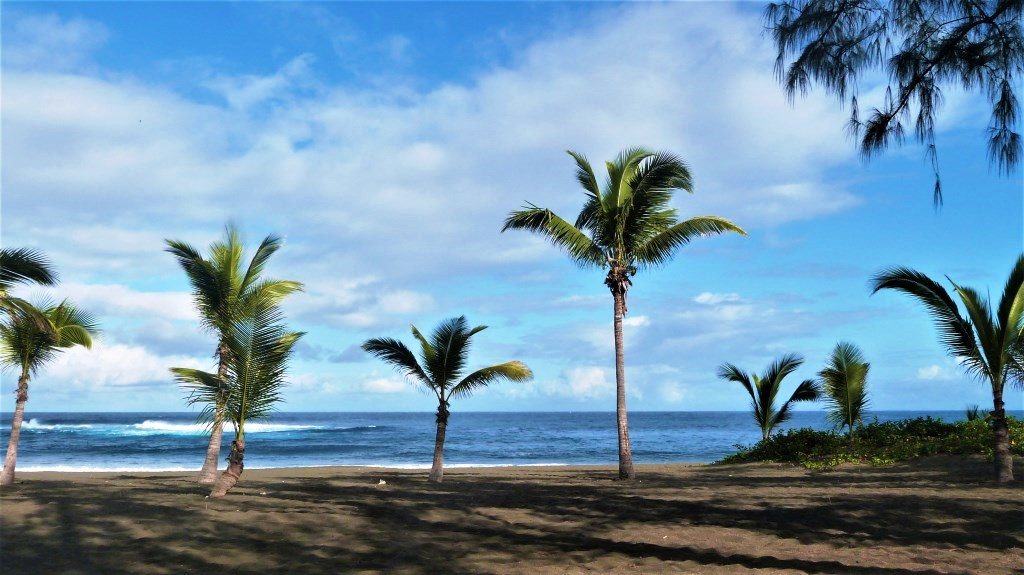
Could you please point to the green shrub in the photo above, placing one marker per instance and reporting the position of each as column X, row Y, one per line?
column 879, row 443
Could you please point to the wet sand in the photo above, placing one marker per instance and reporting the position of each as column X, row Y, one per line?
column 939, row 515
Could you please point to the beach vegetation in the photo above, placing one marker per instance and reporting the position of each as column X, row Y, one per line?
column 226, row 290
column 26, row 347
column 880, row 443
column 764, row 389
column 259, row 348
column 989, row 346
column 626, row 224
column 440, row 369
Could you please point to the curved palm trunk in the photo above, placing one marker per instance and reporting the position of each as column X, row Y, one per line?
column 1003, row 456
column 208, row 474
column 7, row 476
column 625, row 450
column 437, row 469
column 236, row 463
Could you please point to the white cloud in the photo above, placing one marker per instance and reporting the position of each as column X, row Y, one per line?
column 582, row 383
column 116, row 365
column 46, row 41
column 136, row 154
column 936, row 372
column 386, row 385
column 115, row 299
column 708, row 298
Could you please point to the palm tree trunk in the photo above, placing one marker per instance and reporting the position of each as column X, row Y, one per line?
column 625, row 450
column 1003, row 456
column 208, row 474
column 236, row 463
column 437, row 469
column 7, row 476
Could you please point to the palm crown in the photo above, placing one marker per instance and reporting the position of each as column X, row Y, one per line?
column 988, row 346
column 224, row 292
column 764, row 389
column 25, row 345
column 844, row 381
column 627, row 221
column 443, row 360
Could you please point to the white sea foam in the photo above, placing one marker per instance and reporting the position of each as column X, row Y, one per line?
column 156, row 426
column 36, row 424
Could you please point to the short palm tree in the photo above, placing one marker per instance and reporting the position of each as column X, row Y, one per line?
column 624, row 225
column 764, row 389
column 444, row 358
column 991, row 348
column 23, row 266
column 844, row 381
column 225, row 293
column 260, row 347
column 27, row 347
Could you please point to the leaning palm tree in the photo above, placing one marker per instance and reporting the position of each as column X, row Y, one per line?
column 23, row 266
column 764, row 389
column 27, row 347
column 260, row 347
column 225, row 293
column 443, row 358
column 845, row 384
column 990, row 347
column 624, row 225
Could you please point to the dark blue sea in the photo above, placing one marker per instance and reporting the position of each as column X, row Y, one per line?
column 174, row 441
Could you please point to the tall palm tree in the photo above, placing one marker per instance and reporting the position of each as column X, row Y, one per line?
column 845, row 383
column 225, row 293
column 991, row 348
column 764, row 388
column 23, row 266
column 624, row 225
column 443, row 358
column 27, row 347
column 260, row 347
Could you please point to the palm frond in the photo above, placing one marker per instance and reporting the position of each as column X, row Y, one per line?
column 398, row 356
column 515, row 371
column 23, row 266
column 844, row 382
column 1010, row 315
column 267, row 247
column 807, row 391
column 955, row 332
column 730, row 372
column 988, row 334
column 559, row 232
column 659, row 248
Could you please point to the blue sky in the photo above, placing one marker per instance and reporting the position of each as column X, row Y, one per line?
column 387, row 142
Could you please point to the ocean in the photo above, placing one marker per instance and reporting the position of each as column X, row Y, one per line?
column 175, row 442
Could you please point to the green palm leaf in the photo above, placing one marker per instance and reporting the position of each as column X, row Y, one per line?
column 844, row 381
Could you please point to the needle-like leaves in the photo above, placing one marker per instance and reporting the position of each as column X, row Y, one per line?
column 922, row 46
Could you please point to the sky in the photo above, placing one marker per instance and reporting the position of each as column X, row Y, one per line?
column 387, row 142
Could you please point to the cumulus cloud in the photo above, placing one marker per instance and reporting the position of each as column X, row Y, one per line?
column 936, row 372
column 113, row 365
